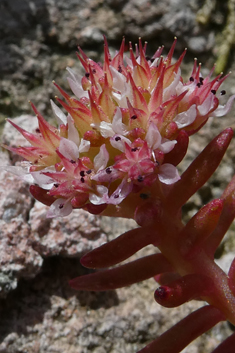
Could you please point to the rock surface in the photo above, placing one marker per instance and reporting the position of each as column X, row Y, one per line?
column 38, row 311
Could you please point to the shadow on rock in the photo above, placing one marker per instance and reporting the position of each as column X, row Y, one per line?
column 47, row 295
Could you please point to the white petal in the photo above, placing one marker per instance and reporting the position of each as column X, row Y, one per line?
column 73, row 134
column 106, row 129
column 122, row 191
column 21, row 171
column 118, row 142
column 75, row 87
column 76, row 77
column 206, row 106
column 68, row 149
column 189, row 87
column 118, row 79
column 118, row 126
column 167, row 145
column 84, row 146
column 224, row 109
column 101, row 198
column 186, row 118
column 171, row 89
column 128, row 61
column 101, row 159
column 168, row 174
column 153, row 136
column 60, row 116
column 104, row 177
column 42, row 179
column 59, row 208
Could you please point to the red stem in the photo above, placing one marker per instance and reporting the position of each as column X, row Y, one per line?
column 199, row 171
column 119, row 249
column 124, row 275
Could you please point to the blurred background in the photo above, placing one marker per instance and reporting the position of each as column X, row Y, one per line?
column 39, row 313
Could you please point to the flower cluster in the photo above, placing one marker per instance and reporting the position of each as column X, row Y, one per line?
column 124, row 133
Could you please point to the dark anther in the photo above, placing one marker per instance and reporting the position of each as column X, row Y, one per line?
column 201, row 80
column 82, row 173
column 223, row 92
column 199, row 84
column 118, row 138
column 72, row 161
column 133, row 117
column 134, row 149
column 82, row 180
column 61, row 205
column 56, row 185
column 94, row 71
column 191, row 79
column 144, row 196
column 116, row 196
column 119, row 68
column 213, row 91
column 88, row 171
column 87, row 74
column 140, row 178
column 108, row 170
column 38, row 131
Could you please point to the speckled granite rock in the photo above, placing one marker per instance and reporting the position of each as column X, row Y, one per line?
column 69, row 236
